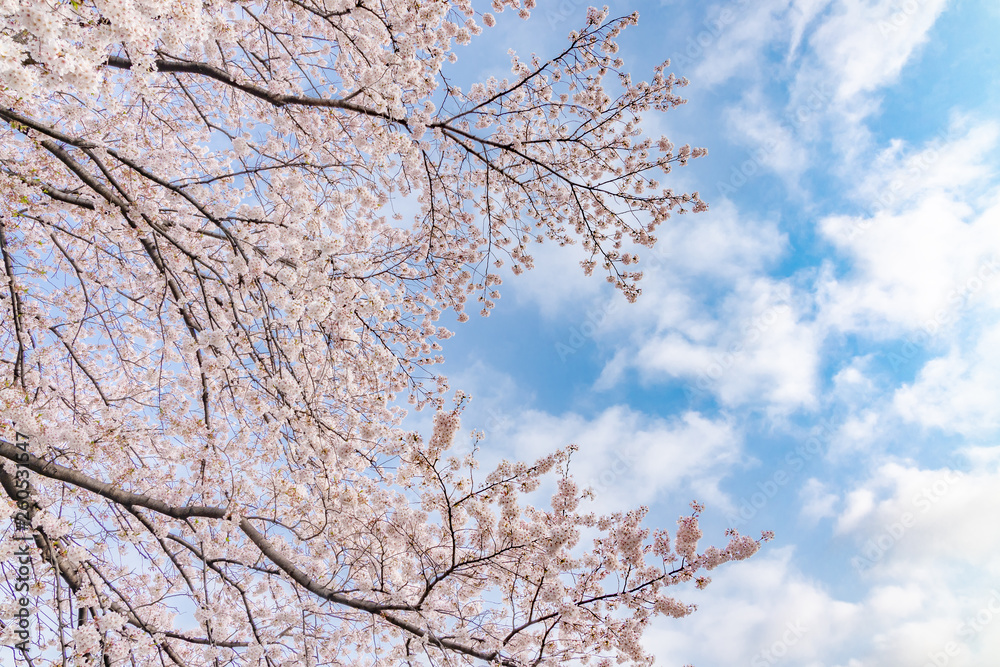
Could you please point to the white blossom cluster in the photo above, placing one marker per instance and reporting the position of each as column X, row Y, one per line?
column 213, row 316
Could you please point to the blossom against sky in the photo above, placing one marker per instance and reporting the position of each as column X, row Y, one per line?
column 818, row 355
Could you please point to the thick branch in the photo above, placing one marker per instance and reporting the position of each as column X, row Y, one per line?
column 278, row 100
column 61, row 473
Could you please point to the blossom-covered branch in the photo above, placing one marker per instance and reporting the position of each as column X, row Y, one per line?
column 229, row 231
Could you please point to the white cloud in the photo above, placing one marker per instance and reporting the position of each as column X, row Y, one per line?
column 775, row 143
column 857, row 434
column 818, row 502
column 709, row 317
column 860, row 504
column 909, row 520
column 957, row 392
column 757, row 348
column 864, row 45
column 948, row 164
column 694, row 254
column 931, row 250
column 720, row 246
column 802, row 14
column 852, row 381
column 928, row 590
column 839, row 55
column 753, row 345
column 928, row 544
column 736, row 37
column 759, row 612
column 557, row 284
column 630, row 458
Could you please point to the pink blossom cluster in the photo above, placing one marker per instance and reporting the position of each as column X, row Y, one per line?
column 215, row 311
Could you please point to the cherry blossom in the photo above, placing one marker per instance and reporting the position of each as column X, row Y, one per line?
column 229, row 233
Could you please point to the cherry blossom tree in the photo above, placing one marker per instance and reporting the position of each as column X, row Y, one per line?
column 229, row 231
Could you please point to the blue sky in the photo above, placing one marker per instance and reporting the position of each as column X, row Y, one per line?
column 818, row 355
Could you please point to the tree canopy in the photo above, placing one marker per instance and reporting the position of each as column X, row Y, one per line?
column 229, row 233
